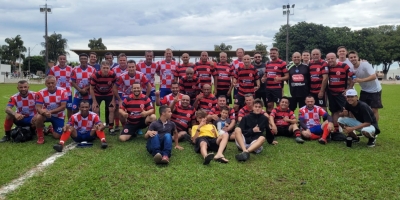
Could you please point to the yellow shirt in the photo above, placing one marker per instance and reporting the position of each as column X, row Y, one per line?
column 205, row 131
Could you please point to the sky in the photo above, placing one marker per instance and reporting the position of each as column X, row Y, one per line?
column 178, row 24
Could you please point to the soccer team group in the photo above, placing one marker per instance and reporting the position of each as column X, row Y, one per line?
column 194, row 101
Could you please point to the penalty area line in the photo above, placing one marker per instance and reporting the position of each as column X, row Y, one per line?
column 14, row 184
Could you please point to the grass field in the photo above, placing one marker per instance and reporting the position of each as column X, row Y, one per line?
column 287, row 170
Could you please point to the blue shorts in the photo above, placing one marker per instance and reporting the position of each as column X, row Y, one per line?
column 69, row 103
column 152, row 95
column 317, row 130
column 26, row 121
column 57, row 123
column 75, row 105
column 164, row 92
column 80, row 137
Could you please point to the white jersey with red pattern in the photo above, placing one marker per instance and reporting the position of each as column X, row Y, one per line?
column 51, row 101
column 166, row 70
column 149, row 71
column 168, row 99
column 63, row 76
column 82, row 79
column 24, row 105
column 126, row 81
column 84, row 124
column 118, row 71
column 236, row 64
column 312, row 117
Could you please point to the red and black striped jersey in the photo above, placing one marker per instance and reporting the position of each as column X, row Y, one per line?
column 217, row 111
column 278, row 114
column 182, row 117
column 245, row 111
column 189, row 87
column 103, row 84
column 246, row 77
column 135, row 106
column 338, row 76
column 224, row 72
column 207, row 103
column 275, row 69
column 204, row 72
column 317, row 69
column 180, row 70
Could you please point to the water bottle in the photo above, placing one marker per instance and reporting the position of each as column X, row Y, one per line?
column 353, row 77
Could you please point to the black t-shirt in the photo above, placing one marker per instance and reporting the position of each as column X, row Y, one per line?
column 260, row 70
column 299, row 80
column 363, row 113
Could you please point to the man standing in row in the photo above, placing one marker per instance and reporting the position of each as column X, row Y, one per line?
column 180, row 70
column 260, row 66
column 204, row 69
column 247, row 77
column 165, row 69
column 318, row 78
column 148, row 68
column 223, row 74
column 299, row 80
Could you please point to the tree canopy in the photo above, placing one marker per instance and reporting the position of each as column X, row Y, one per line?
column 57, row 46
column 97, row 44
column 37, row 64
column 223, row 47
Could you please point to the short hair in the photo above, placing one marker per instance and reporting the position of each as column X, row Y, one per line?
column 22, row 81
column 274, row 49
column 305, row 51
column 175, row 83
column 353, row 52
column 341, row 47
column 225, row 108
column 248, row 95
column 162, row 109
column 51, row 61
column 284, row 97
column 108, row 54
column 201, row 113
column 257, row 52
column 105, row 62
column 258, row 101
column 239, row 49
column 222, row 96
column 121, row 55
column 168, row 49
column 148, row 51
column 62, row 54
column 93, row 53
column 50, row 77
column 310, row 96
column 84, row 101
column 83, row 54
column 132, row 61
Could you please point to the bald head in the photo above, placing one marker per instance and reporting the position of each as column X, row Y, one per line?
column 206, row 90
column 316, row 54
column 185, row 58
column 204, row 56
column 189, row 73
column 246, row 60
column 331, row 59
column 296, row 58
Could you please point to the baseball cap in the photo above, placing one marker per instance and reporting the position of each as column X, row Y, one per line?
column 351, row 92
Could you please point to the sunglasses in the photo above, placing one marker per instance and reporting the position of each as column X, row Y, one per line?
column 257, row 56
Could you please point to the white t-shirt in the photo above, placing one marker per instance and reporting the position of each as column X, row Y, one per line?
column 363, row 71
column 347, row 61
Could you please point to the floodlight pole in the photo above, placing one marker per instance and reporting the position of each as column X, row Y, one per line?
column 46, row 9
column 286, row 11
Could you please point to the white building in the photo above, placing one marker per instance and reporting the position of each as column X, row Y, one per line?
column 3, row 69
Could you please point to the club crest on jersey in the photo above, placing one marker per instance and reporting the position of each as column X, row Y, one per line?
column 188, row 115
column 141, row 106
column 210, row 105
column 208, row 69
column 109, row 83
column 194, row 87
column 227, row 70
column 126, row 130
column 276, row 67
column 251, row 75
column 317, row 69
column 338, row 73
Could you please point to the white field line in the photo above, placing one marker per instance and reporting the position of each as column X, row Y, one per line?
column 13, row 185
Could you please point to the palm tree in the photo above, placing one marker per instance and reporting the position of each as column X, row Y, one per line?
column 262, row 48
column 223, row 47
column 56, row 46
column 97, row 44
column 13, row 49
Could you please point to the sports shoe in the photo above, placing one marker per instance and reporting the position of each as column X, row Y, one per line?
column 164, row 160
column 157, row 158
column 322, row 141
column 5, row 138
column 111, row 131
column 242, row 156
column 40, row 140
column 299, row 140
column 140, row 132
column 104, row 145
column 371, row 142
column 58, row 147
column 356, row 140
column 116, row 129
column 188, row 138
column 368, row 135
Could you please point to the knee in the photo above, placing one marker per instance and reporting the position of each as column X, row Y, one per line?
column 152, row 118
column 8, row 116
column 123, row 138
column 203, row 144
column 238, row 130
column 341, row 120
column 261, row 139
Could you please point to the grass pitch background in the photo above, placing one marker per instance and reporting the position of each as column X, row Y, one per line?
column 287, row 170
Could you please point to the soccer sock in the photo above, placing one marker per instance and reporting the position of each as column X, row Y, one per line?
column 64, row 137
column 314, row 137
column 111, row 125
column 325, row 133
column 116, row 121
column 40, row 132
column 8, row 124
column 297, row 133
column 101, row 136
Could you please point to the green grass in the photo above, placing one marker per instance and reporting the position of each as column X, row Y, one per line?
column 287, row 170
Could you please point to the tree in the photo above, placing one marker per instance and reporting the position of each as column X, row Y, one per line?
column 262, row 48
column 37, row 64
column 12, row 50
column 56, row 46
column 97, row 44
column 73, row 64
column 223, row 47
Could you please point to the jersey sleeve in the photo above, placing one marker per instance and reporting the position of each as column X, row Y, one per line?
column 11, row 102
column 71, row 121
column 93, row 80
column 123, row 104
column 241, row 112
column 96, row 119
column 51, row 71
column 273, row 113
column 324, row 69
column 64, row 96
column 232, row 114
column 321, row 112
column 148, row 104
column 39, row 98
column 158, row 68
column 164, row 101
column 144, row 80
column 283, row 68
column 301, row 113
column 255, row 74
column 292, row 115
column 120, row 81
column 73, row 75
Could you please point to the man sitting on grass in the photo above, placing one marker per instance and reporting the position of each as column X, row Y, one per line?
column 249, row 135
column 205, row 137
column 159, row 136
column 183, row 116
column 83, row 127
column 357, row 115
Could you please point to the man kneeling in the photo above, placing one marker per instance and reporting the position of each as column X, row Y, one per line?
column 82, row 127
column 205, row 138
column 249, row 135
column 159, row 139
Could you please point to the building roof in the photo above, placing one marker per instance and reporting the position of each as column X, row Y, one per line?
column 157, row 53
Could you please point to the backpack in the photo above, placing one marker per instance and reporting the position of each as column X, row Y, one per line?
column 21, row 134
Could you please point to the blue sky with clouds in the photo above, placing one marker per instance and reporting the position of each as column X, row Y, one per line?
column 179, row 24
